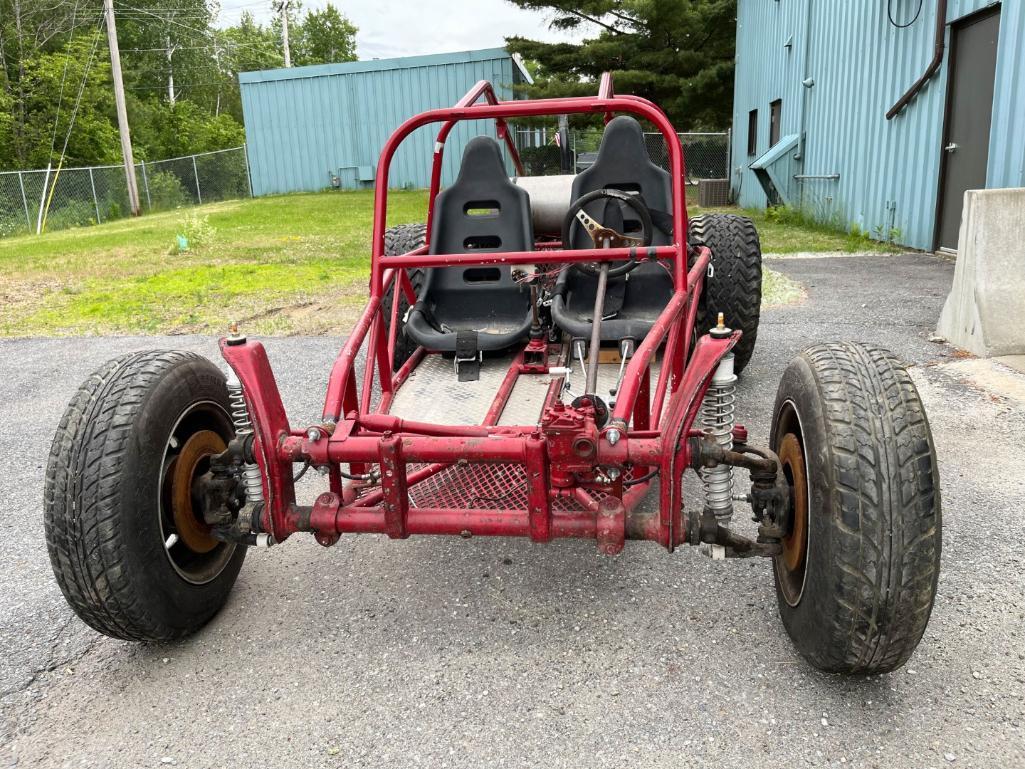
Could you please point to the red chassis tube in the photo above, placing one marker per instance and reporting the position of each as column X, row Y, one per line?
column 564, row 455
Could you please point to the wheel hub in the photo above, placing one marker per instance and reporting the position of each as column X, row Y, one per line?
column 795, row 543
column 187, row 467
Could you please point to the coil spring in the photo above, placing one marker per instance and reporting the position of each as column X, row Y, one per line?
column 717, row 418
column 252, row 478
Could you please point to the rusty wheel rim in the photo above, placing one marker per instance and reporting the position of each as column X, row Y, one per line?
column 791, row 565
column 191, row 462
column 199, row 433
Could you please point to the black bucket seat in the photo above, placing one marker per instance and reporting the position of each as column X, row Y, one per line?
column 634, row 301
column 473, row 309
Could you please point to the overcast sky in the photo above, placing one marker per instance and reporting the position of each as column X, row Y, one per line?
column 392, row 28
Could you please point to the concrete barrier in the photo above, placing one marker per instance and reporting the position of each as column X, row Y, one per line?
column 985, row 311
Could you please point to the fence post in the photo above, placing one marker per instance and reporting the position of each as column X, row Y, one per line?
column 145, row 184
column 42, row 199
column 729, row 154
column 195, row 171
column 249, row 176
column 96, row 202
column 24, row 201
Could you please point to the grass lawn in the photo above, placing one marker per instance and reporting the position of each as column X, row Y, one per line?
column 286, row 264
column 279, row 265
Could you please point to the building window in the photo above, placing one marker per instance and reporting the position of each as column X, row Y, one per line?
column 752, row 132
column 775, row 116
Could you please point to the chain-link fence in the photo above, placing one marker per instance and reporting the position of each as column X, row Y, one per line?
column 707, row 155
column 84, row 196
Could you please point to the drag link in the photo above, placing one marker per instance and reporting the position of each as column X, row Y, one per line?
column 706, row 452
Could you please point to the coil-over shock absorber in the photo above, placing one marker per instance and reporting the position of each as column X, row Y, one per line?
column 252, row 478
column 717, row 418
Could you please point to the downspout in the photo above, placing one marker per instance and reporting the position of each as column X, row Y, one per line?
column 934, row 65
column 805, row 78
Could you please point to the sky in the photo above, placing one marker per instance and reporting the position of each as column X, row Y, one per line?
column 392, row 28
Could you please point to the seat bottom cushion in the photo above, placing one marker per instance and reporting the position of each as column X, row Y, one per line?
column 632, row 303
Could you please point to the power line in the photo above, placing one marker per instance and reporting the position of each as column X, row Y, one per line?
column 218, row 44
column 71, row 124
column 64, row 77
column 162, row 87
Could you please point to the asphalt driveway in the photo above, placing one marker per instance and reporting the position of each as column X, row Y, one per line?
column 458, row 653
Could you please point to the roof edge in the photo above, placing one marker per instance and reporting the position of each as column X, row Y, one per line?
column 372, row 65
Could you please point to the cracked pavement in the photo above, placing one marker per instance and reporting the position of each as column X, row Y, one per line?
column 447, row 652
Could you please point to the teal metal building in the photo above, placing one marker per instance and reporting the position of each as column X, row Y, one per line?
column 312, row 128
column 822, row 119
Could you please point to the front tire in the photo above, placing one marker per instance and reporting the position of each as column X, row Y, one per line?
column 118, row 486
column 857, row 578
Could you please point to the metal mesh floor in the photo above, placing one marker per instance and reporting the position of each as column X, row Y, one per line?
column 433, row 394
column 484, row 487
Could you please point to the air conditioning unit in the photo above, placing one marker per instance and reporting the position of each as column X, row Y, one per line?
column 713, row 193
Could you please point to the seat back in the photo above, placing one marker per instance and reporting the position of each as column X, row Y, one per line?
column 483, row 210
column 623, row 164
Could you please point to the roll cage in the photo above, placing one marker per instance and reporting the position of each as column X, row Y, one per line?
column 566, row 475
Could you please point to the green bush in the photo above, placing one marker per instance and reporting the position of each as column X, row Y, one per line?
column 74, row 213
column 196, row 230
column 12, row 224
column 166, row 192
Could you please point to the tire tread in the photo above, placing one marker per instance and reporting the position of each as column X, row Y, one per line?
column 886, row 521
column 398, row 240
column 81, row 497
column 735, row 288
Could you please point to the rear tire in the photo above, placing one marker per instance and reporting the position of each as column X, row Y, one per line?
column 735, row 287
column 107, row 512
column 849, row 420
column 398, row 240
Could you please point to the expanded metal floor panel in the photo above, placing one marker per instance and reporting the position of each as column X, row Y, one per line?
column 485, row 487
column 433, row 394
column 479, row 487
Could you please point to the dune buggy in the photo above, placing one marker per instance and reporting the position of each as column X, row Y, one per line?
column 544, row 358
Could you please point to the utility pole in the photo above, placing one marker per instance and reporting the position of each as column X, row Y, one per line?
column 170, row 70
column 122, row 112
column 284, row 32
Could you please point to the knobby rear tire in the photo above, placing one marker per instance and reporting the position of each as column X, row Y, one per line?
column 735, row 286
column 398, row 240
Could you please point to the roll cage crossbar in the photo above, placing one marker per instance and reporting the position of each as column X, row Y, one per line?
column 566, row 455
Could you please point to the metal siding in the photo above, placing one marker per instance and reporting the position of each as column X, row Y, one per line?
column 304, row 123
column 889, row 170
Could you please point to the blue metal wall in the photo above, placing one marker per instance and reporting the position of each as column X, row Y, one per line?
column 306, row 123
column 861, row 64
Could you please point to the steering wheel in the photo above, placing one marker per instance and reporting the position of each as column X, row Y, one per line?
column 605, row 237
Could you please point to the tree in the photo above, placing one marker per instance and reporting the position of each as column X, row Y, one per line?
column 29, row 29
column 325, row 36
column 677, row 53
column 92, row 138
column 163, row 43
column 163, row 130
column 245, row 47
column 180, row 72
column 317, row 37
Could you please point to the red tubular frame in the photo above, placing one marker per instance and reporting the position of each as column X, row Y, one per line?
column 558, row 455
